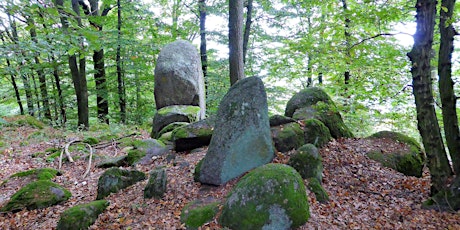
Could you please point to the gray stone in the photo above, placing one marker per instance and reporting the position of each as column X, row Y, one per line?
column 308, row 162
column 305, row 98
column 171, row 114
column 81, row 216
column 156, row 186
column 288, row 136
column 316, row 133
column 277, row 120
column 179, row 77
column 114, row 179
column 241, row 139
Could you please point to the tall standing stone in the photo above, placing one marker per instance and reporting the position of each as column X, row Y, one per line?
column 241, row 139
column 179, row 77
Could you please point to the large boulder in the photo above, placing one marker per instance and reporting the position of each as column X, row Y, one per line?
column 269, row 197
column 194, row 135
column 37, row 194
column 81, row 216
column 198, row 212
column 288, row 136
column 114, row 179
column 408, row 159
column 313, row 102
column 241, row 139
column 171, row 114
column 156, row 186
column 308, row 162
column 179, row 77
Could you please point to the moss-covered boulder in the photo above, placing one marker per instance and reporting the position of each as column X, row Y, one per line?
column 114, row 179
column 308, row 162
column 37, row 194
column 320, row 193
column 194, row 135
column 408, row 159
column 326, row 113
column 288, row 136
column 23, row 120
column 316, row 133
column 277, row 120
column 306, row 98
column 81, row 216
column 171, row 114
column 156, row 186
column 197, row 171
column 39, row 174
column 171, row 127
column 198, row 212
column 269, row 197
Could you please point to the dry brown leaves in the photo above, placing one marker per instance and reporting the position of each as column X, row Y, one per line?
column 363, row 194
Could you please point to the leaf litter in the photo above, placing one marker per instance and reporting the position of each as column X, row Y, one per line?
column 363, row 194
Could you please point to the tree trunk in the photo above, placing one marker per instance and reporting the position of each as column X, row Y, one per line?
column 235, row 37
column 40, row 73
column 77, row 70
column 347, row 43
column 57, row 81
column 247, row 29
column 13, row 82
column 428, row 126
column 203, row 50
column 446, row 84
column 121, row 82
column 35, row 92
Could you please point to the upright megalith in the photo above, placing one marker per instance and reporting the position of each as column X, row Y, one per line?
column 241, row 139
column 179, row 77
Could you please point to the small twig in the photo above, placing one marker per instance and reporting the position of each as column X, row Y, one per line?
column 89, row 161
column 66, row 148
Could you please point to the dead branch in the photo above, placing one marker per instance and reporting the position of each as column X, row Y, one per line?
column 89, row 161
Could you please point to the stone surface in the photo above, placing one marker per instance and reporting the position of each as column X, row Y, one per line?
column 241, row 139
column 194, row 135
column 81, row 216
column 306, row 98
column 179, row 77
column 269, row 197
column 171, row 114
column 288, row 136
column 114, row 179
column 156, row 186
column 37, row 194
column 277, row 120
column 408, row 161
column 307, row 162
column 198, row 212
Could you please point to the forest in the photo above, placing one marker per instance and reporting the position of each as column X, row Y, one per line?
column 79, row 65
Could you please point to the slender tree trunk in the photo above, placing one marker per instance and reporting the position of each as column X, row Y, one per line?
column 446, row 84
column 35, row 92
column 60, row 100
column 203, row 50
column 13, row 82
column 40, row 73
column 347, row 43
column 175, row 18
column 120, row 79
column 235, row 38
column 247, row 29
column 428, row 126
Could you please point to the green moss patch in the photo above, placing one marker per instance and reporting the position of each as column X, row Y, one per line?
column 272, row 196
column 197, row 213
column 320, row 193
column 81, row 216
column 307, row 162
column 38, row 194
column 39, row 174
column 114, row 179
column 316, row 133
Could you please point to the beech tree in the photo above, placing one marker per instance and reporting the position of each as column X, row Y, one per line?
column 428, row 126
column 235, row 40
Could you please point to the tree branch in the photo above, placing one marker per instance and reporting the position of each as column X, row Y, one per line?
column 370, row 38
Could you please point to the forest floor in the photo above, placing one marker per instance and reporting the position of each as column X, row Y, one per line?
column 363, row 194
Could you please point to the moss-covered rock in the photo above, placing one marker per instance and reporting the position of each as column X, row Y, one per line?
column 196, row 172
column 328, row 114
column 194, row 135
column 316, row 133
column 288, row 136
column 197, row 213
column 156, row 186
column 408, row 159
column 37, row 194
column 134, row 155
column 81, row 216
column 39, row 174
column 306, row 98
column 320, row 193
column 171, row 114
column 171, row 127
column 269, row 197
column 114, row 179
column 91, row 140
column 307, row 162
column 22, row 120
column 277, row 120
